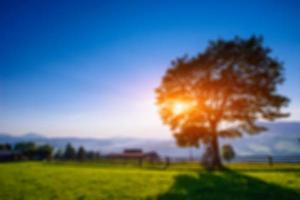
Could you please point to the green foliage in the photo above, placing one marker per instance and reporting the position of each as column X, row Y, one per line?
column 81, row 154
column 70, row 152
column 71, row 180
column 228, row 152
column 28, row 149
column 92, row 155
column 34, row 152
column 59, row 154
column 5, row 146
column 45, row 151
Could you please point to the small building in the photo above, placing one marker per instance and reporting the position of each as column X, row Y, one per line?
column 135, row 154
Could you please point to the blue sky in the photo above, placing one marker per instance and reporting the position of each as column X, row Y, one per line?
column 89, row 68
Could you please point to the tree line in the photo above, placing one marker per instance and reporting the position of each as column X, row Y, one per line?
column 71, row 153
column 33, row 151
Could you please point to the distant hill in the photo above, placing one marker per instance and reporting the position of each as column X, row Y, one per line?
column 281, row 139
column 105, row 145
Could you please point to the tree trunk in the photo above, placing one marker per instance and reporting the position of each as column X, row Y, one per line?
column 216, row 160
column 211, row 158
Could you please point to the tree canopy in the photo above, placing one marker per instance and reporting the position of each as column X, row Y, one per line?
column 70, row 152
column 228, row 152
column 221, row 92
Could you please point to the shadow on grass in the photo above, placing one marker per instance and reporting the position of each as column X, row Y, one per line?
column 227, row 185
column 269, row 170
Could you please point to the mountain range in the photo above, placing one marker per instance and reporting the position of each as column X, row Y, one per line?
column 281, row 139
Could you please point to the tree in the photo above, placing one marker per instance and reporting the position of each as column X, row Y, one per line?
column 228, row 152
column 70, row 152
column 221, row 92
column 44, row 151
column 5, row 146
column 28, row 149
column 81, row 154
column 59, row 154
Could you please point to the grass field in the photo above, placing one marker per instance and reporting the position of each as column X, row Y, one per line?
column 64, row 181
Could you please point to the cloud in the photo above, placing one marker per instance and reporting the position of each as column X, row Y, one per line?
column 287, row 146
column 259, row 148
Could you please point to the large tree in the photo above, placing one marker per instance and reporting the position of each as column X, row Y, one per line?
column 221, row 92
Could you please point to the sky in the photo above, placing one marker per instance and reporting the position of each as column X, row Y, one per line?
column 89, row 68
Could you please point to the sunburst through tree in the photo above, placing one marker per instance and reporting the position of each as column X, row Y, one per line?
column 233, row 82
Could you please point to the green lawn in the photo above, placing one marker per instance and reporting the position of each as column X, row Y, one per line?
column 65, row 181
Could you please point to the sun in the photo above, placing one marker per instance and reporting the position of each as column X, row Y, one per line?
column 180, row 107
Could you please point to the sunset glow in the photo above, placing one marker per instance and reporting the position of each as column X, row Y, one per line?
column 181, row 107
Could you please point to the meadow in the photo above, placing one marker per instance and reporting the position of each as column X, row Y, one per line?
column 66, row 181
